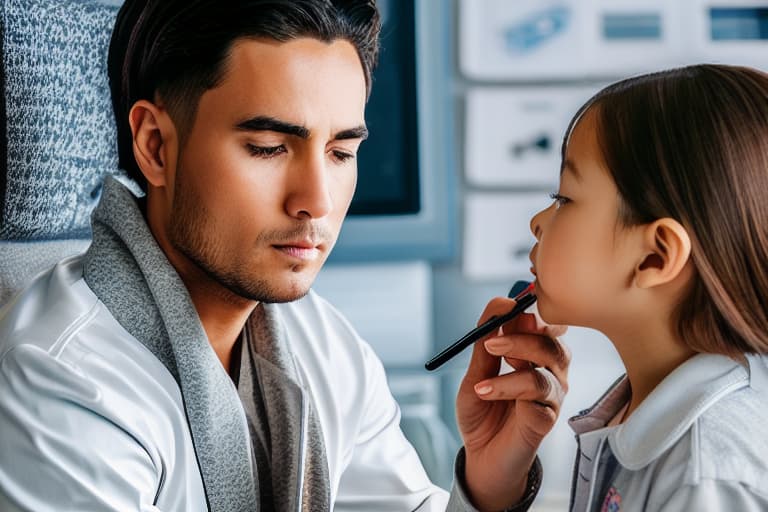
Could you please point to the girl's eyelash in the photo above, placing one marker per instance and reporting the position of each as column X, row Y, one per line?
column 560, row 200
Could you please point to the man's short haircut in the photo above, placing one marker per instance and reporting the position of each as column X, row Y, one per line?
column 178, row 49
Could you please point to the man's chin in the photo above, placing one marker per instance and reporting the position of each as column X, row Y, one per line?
column 276, row 298
column 293, row 287
column 281, row 288
column 272, row 292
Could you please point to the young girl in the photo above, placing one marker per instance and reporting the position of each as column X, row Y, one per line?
column 658, row 237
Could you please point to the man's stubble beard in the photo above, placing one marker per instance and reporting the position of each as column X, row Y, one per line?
column 192, row 235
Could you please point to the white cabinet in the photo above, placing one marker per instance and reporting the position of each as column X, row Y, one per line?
column 627, row 37
column 553, row 40
column 513, row 136
column 729, row 31
column 521, row 39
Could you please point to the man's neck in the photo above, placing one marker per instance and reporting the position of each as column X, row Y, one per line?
column 222, row 313
column 223, row 316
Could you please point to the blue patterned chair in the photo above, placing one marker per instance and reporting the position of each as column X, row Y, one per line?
column 60, row 135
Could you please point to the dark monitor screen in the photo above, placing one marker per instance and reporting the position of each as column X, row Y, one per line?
column 404, row 206
column 388, row 172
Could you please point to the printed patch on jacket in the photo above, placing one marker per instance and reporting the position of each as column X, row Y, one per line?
column 612, row 501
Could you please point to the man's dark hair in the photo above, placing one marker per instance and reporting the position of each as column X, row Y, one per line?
column 178, row 49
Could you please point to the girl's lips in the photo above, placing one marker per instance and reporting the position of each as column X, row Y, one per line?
column 532, row 258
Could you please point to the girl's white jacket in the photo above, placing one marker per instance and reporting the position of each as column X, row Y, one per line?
column 91, row 420
column 697, row 443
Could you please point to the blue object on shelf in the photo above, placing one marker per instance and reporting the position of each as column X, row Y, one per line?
column 631, row 26
column 535, row 30
column 738, row 23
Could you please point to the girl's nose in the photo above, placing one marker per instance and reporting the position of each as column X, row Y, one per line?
column 536, row 224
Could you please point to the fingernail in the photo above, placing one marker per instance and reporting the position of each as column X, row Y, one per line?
column 483, row 388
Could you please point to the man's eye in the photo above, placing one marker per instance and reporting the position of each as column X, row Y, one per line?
column 559, row 200
column 342, row 156
column 265, row 151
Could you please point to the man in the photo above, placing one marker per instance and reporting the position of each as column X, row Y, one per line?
column 182, row 363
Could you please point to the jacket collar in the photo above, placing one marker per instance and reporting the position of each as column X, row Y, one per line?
column 671, row 408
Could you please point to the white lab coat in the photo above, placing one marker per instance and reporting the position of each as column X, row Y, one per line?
column 90, row 419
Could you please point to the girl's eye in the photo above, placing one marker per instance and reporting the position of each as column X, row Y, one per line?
column 265, row 151
column 559, row 200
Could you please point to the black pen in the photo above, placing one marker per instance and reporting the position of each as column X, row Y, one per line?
column 523, row 300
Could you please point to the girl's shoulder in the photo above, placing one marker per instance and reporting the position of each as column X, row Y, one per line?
column 729, row 440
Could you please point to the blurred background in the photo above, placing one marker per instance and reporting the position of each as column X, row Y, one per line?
column 469, row 107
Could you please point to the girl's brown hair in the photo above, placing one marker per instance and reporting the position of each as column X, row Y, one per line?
column 692, row 144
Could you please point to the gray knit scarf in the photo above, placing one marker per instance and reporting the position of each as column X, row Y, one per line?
column 130, row 274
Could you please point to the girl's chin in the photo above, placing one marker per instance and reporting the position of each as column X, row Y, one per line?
column 549, row 314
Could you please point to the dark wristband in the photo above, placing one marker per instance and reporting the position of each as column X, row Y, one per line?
column 531, row 489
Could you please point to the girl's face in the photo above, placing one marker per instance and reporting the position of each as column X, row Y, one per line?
column 583, row 259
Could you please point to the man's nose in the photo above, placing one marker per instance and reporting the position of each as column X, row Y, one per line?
column 309, row 193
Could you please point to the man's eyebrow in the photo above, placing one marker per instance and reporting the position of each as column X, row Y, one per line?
column 270, row 124
column 359, row 132
column 570, row 164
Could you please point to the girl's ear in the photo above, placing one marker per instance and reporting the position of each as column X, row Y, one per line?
column 667, row 249
column 152, row 130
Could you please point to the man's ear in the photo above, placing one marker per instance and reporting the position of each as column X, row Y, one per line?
column 153, row 131
column 667, row 249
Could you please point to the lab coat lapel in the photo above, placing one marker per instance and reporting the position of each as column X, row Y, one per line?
column 130, row 274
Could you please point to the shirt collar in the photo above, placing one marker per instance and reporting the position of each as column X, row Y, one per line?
column 672, row 407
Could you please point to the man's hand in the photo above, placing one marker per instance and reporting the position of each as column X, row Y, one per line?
column 503, row 419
